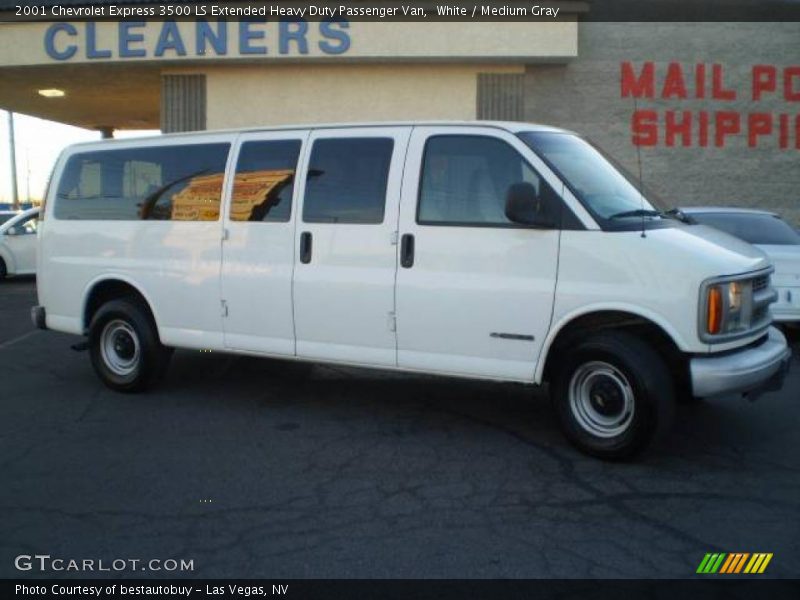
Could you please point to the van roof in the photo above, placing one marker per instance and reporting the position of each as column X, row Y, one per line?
column 511, row 126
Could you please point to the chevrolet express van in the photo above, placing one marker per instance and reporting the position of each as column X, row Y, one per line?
column 503, row 251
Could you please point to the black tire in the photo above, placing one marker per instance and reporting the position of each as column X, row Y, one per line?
column 684, row 397
column 3, row 269
column 613, row 395
column 134, row 358
column 791, row 331
column 684, row 394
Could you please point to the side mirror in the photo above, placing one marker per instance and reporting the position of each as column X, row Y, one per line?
column 11, row 231
column 525, row 207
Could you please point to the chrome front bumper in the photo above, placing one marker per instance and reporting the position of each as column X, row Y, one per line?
column 752, row 370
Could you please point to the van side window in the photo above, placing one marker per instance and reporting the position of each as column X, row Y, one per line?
column 178, row 183
column 465, row 180
column 264, row 182
column 347, row 180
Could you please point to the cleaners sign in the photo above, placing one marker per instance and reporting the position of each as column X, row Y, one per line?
column 676, row 83
column 144, row 40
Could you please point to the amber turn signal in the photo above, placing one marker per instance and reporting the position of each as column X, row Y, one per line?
column 714, row 324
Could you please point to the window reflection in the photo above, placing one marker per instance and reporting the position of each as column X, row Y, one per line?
column 257, row 195
column 264, row 181
column 180, row 183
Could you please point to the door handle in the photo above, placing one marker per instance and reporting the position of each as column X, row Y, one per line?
column 305, row 247
column 407, row 251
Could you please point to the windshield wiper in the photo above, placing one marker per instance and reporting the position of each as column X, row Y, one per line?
column 639, row 212
column 677, row 214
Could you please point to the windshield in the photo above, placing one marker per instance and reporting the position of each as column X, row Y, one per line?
column 6, row 216
column 752, row 228
column 603, row 186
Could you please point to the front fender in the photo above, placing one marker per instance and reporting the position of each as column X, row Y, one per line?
column 636, row 311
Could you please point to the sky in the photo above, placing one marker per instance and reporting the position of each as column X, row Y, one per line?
column 39, row 143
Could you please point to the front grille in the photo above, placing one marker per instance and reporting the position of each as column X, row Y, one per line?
column 763, row 296
column 760, row 283
column 760, row 315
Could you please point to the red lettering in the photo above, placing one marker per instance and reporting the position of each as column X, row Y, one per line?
column 674, row 85
column 789, row 93
column 644, row 125
column 764, row 80
column 783, row 134
column 797, row 132
column 727, row 123
column 700, row 81
column 758, row 124
column 718, row 91
column 682, row 128
column 703, row 135
column 642, row 86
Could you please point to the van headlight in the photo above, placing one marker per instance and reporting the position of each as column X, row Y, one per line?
column 734, row 307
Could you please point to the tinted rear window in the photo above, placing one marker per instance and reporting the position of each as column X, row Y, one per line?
column 179, row 183
column 752, row 228
column 346, row 180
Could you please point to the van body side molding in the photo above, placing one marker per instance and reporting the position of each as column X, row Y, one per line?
column 512, row 336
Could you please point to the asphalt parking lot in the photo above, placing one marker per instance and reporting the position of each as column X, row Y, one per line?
column 257, row 468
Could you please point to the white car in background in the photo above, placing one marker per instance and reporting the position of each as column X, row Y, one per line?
column 18, row 243
column 5, row 215
column 766, row 230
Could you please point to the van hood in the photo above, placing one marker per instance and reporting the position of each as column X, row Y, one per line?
column 714, row 251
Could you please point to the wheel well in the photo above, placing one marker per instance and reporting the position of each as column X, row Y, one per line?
column 111, row 289
column 573, row 331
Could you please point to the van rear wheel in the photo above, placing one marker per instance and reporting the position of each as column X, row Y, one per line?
column 124, row 347
column 613, row 395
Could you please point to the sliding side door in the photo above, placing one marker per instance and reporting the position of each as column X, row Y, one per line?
column 346, row 246
column 258, row 246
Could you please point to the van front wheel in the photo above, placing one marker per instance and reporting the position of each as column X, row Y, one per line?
column 613, row 395
column 124, row 347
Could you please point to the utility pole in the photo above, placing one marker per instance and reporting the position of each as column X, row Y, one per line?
column 13, row 154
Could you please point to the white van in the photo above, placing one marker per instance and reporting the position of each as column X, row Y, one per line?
column 503, row 251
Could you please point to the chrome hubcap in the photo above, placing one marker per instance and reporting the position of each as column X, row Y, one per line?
column 119, row 346
column 601, row 399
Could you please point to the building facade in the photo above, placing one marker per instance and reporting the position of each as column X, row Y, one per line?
column 709, row 113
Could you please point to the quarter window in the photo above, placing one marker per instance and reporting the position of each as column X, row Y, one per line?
column 178, row 183
column 466, row 178
column 264, row 182
column 346, row 181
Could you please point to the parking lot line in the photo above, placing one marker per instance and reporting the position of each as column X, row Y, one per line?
column 11, row 342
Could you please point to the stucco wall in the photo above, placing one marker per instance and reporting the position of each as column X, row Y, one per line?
column 585, row 95
column 285, row 94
